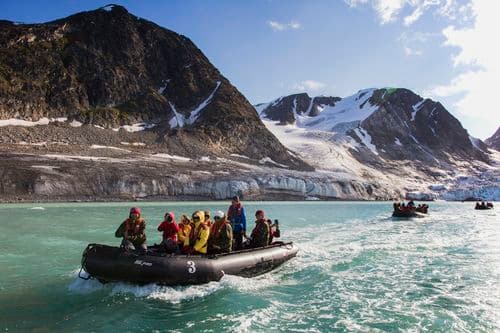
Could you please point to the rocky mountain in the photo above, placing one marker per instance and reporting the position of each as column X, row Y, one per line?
column 390, row 136
column 103, row 105
column 105, row 77
column 394, row 124
column 494, row 140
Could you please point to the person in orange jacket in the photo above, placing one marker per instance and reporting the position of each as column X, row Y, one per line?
column 132, row 230
column 184, row 230
column 197, row 241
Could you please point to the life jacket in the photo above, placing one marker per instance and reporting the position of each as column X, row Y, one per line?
column 133, row 227
column 256, row 231
column 194, row 234
column 216, row 228
column 184, row 231
column 234, row 211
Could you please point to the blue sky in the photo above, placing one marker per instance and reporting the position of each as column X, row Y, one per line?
column 269, row 48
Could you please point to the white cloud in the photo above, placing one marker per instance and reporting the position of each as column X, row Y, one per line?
column 278, row 26
column 309, row 85
column 390, row 10
column 412, row 52
column 410, row 19
column 480, row 54
column 354, row 3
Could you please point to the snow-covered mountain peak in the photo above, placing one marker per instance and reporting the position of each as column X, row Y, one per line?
column 343, row 115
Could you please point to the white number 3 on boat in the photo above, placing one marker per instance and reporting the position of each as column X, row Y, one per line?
column 191, row 267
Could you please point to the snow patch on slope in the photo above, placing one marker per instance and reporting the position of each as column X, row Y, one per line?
column 180, row 120
column 28, row 123
column 416, row 108
column 349, row 110
column 135, row 127
column 366, row 139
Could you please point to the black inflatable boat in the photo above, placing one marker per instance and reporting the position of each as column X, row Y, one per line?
column 407, row 213
column 113, row 264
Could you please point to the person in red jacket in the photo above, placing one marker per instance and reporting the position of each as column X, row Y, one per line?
column 170, row 230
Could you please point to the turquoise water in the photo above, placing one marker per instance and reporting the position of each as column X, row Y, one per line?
column 357, row 270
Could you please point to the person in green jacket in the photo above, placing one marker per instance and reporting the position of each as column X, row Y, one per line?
column 221, row 234
column 261, row 232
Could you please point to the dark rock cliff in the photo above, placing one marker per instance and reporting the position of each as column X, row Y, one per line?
column 110, row 68
column 401, row 126
column 406, row 126
column 494, row 140
column 286, row 108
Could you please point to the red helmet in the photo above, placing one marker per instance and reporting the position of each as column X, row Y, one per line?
column 259, row 212
column 135, row 210
column 171, row 214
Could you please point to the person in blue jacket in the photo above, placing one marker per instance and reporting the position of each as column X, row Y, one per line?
column 237, row 218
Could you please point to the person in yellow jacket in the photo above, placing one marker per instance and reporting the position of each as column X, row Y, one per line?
column 197, row 241
column 184, row 230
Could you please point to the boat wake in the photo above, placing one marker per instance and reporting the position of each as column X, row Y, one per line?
column 176, row 294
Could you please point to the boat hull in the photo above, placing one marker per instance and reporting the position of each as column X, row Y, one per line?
column 113, row 264
column 407, row 214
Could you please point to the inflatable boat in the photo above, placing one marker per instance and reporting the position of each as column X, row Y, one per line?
column 114, row 264
column 483, row 208
column 407, row 213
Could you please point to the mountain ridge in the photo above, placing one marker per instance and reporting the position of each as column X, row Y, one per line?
column 109, row 69
column 387, row 118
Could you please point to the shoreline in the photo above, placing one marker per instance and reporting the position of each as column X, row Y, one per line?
column 194, row 198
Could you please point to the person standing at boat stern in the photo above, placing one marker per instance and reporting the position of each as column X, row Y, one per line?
column 221, row 235
column 261, row 232
column 132, row 231
column 237, row 218
column 170, row 230
column 197, row 242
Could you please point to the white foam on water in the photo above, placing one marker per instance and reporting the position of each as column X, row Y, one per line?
column 174, row 294
column 81, row 286
column 37, row 208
